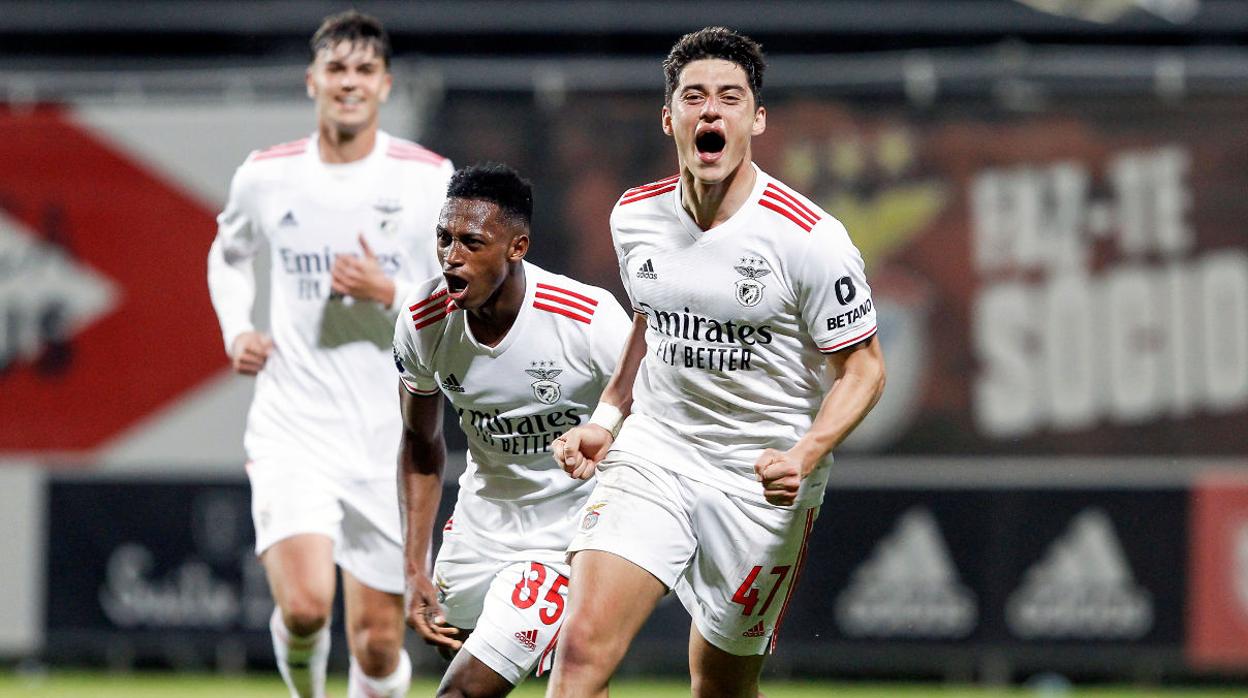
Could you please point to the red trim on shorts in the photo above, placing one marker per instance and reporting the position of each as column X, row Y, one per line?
column 797, row 574
column 550, row 649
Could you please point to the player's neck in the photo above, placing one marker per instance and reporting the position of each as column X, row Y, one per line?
column 712, row 203
column 337, row 146
column 492, row 321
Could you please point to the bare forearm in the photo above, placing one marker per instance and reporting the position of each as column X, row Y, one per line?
column 420, row 492
column 854, row 392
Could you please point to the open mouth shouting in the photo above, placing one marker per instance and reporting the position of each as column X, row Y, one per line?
column 456, row 286
column 710, row 145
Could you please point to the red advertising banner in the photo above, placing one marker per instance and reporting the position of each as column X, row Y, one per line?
column 104, row 310
column 1217, row 621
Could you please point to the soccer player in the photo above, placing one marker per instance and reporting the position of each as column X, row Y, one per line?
column 748, row 373
column 522, row 355
column 349, row 214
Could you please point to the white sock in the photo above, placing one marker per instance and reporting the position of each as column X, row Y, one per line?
column 302, row 660
column 361, row 685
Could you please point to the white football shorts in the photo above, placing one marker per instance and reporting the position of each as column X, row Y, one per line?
column 360, row 516
column 733, row 563
column 514, row 608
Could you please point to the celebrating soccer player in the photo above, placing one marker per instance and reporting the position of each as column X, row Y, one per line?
column 349, row 215
column 713, row 462
column 522, row 355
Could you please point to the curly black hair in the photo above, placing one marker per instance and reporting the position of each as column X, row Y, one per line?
column 716, row 42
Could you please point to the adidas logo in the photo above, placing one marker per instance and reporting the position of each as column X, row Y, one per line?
column 647, row 271
column 1082, row 588
column 756, row 631
column 908, row 587
column 451, row 384
column 288, row 220
column 528, row 638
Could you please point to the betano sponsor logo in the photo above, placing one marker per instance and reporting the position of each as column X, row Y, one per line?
column 908, row 588
column 1082, row 588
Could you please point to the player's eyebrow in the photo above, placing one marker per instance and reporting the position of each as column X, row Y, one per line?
column 699, row 87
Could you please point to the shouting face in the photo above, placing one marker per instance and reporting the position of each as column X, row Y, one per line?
column 712, row 118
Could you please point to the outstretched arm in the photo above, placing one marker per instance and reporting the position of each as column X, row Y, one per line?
column 580, row 450
column 858, row 373
column 422, row 458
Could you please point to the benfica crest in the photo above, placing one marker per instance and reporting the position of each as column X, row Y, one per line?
column 749, row 290
column 545, row 389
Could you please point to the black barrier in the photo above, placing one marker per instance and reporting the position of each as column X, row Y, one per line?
column 966, row 582
column 143, row 572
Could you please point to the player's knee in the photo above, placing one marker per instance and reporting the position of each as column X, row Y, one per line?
column 305, row 614
column 376, row 649
column 578, row 653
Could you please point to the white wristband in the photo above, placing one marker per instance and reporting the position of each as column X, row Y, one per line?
column 608, row 417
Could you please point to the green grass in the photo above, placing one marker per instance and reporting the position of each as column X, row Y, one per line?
column 162, row 685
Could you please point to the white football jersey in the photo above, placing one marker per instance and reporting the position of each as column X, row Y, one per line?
column 513, row 400
column 326, row 396
column 739, row 319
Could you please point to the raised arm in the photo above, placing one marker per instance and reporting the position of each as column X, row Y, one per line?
column 858, row 382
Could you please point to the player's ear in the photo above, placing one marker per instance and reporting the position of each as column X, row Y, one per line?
column 667, row 120
column 387, row 82
column 309, row 83
column 518, row 248
column 760, row 122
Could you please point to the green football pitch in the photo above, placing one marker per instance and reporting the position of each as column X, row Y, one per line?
column 152, row 685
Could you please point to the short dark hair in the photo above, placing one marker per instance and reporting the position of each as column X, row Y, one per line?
column 355, row 28
column 498, row 184
column 716, row 42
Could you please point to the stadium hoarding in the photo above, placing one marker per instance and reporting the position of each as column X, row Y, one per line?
column 1071, row 279
column 1217, row 627
column 904, row 579
column 160, row 571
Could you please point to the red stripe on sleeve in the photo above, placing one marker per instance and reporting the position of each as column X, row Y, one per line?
column 647, row 195
column 793, row 200
column 784, row 202
column 563, row 311
column 653, row 185
column 566, row 292
column 786, row 213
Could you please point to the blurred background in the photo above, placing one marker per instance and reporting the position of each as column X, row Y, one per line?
column 1051, row 197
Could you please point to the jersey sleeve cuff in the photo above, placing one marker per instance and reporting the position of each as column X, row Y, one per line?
column 838, row 344
column 417, row 390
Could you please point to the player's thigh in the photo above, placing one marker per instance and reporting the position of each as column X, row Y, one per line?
column 748, row 560
column 300, row 570
column 715, row 673
column 633, row 542
column 520, row 619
